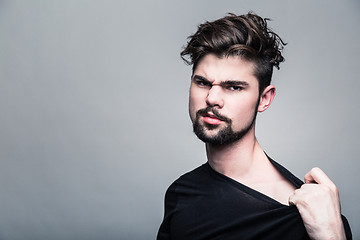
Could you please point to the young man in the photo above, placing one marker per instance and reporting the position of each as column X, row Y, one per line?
column 241, row 193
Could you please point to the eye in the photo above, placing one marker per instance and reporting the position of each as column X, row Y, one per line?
column 234, row 88
column 202, row 83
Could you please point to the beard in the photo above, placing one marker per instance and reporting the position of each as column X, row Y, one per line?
column 225, row 135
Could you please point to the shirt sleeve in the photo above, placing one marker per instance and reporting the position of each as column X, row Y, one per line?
column 347, row 228
column 164, row 232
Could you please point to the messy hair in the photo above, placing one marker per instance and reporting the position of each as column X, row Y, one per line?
column 246, row 36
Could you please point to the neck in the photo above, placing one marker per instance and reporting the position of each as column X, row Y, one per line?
column 238, row 159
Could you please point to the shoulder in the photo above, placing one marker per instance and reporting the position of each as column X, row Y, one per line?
column 190, row 178
column 190, row 183
column 186, row 185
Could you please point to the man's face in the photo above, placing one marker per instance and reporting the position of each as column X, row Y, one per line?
column 223, row 101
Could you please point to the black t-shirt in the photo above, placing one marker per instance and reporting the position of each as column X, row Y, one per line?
column 204, row 204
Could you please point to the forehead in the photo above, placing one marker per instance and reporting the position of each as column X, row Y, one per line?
column 218, row 69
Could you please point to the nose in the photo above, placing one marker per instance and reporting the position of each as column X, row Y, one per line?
column 214, row 97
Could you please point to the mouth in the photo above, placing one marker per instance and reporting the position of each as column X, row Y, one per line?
column 211, row 119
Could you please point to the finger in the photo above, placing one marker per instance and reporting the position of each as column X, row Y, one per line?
column 316, row 175
column 291, row 200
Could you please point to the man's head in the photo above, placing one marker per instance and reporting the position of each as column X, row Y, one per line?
column 246, row 36
column 232, row 59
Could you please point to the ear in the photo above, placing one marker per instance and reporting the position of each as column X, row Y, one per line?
column 266, row 98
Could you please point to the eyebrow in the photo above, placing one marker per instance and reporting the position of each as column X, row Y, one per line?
column 224, row 83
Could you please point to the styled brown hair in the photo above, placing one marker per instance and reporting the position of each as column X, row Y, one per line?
column 246, row 36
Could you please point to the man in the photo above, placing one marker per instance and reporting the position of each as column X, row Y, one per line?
column 241, row 193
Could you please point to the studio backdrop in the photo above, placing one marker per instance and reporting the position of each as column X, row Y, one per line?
column 94, row 122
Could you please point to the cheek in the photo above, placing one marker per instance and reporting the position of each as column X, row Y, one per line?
column 196, row 102
column 243, row 111
column 192, row 107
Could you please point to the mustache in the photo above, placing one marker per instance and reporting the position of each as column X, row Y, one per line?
column 205, row 111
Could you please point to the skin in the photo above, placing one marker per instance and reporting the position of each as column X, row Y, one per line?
column 229, row 86
column 319, row 205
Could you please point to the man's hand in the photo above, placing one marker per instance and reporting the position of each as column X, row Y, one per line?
column 318, row 203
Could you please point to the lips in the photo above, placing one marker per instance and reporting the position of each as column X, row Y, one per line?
column 210, row 118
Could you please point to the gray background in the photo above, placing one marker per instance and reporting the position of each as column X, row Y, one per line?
column 93, row 109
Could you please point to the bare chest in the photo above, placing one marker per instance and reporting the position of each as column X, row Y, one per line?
column 279, row 190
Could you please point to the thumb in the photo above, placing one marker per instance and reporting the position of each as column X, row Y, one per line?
column 316, row 175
